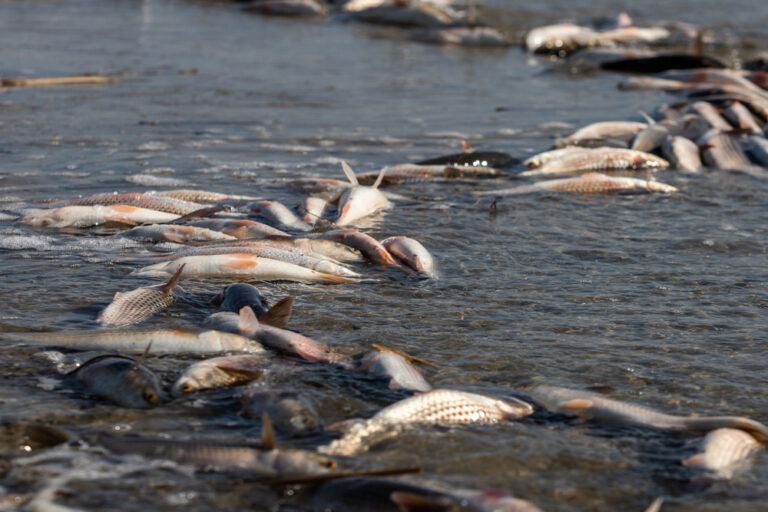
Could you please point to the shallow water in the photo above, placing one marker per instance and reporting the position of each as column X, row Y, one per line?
column 663, row 299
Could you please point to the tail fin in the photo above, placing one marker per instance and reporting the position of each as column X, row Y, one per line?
column 350, row 173
column 330, row 278
column 267, row 433
column 247, row 322
column 278, row 315
column 379, row 179
column 171, row 284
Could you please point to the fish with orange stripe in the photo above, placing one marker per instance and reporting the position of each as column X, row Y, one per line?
column 360, row 201
column 88, row 216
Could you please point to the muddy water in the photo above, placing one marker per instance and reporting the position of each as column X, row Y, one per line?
column 660, row 299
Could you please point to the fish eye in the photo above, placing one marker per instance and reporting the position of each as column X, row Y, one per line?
column 186, row 388
column 329, row 464
column 150, row 397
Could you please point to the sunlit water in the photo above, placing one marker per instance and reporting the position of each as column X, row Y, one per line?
column 660, row 299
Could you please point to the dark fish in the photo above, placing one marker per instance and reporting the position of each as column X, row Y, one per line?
column 235, row 297
column 290, row 412
column 121, row 380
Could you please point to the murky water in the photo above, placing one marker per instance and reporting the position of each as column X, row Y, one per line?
column 663, row 299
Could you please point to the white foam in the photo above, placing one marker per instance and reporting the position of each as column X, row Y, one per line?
column 154, row 145
column 160, row 170
column 22, row 242
column 291, row 148
column 149, row 180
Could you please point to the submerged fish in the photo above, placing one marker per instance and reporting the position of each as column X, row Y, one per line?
column 245, row 266
column 367, row 245
column 599, row 159
column 587, row 405
column 164, row 341
column 400, row 372
column 241, row 228
column 235, row 297
column 289, row 411
column 174, row 233
column 219, row 372
column 724, row 452
column 439, row 406
column 589, row 183
column 138, row 305
column 140, row 199
column 411, row 254
column 120, row 379
column 360, row 201
column 279, row 214
column 87, row 216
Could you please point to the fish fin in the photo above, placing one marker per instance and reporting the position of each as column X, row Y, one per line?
column 278, row 315
column 330, row 278
column 656, row 505
column 46, row 436
column 410, row 502
column 240, row 374
column 267, row 433
column 201, row 212
column 174, row 237
column 576, row 405
column 247, row 321
column 379, row 179
column 143, row 357
column 409, row 357
column 349, row 172
column 466, row 147
column 648, row 119
column 698, row 44
column 168, row 287
column 697, row 460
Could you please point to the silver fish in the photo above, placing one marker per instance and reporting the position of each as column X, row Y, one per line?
column 741, row 117
column 599, row 159
column 313, row 209
column 721, row 151
column 411, row 13
column 137, row 305
column 219, row 372
column 140, row 199
column 540, row 159
column 367, row 245
column 328, row 248
column 287, row 8
column 463, row 36
column 241, row 228
column 201, row 196
column 682, row 153
column 328, row 189
column 411, row 254
column 174, row 233
column 360, row 201
column 587, row 405
column 650, row 138
column 589, row 183
column 710, row 114
column 724, row 452
column 604, row 130
column 559, row 39
column 87, row 216
column 400, row 372
column 279, row 214
column 121, row 380
column 757, row 147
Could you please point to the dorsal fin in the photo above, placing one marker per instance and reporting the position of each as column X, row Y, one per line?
column 349, row 172
column 409, row 357
column 466, row 147
column 648, row 119
column 698, row 44
column 278, row 315
column 382, row 172
column 143, row 357
column 171, row 284
column 247, row 322
column 267, row 433
column 656, row 505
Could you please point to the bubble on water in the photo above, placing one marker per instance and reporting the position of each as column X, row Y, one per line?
column 23, row 242
column 7, row 216
column 160, row 170
column 148, row 180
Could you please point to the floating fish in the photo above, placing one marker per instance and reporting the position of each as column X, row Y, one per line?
column 757, row 147
column 400, row 372
column 121, row 380
column 721, row 151
column 604, row 130
column 710, row 114
column 241, row 228
column 235, row 297
column 367, row 245
column 328, row 189
column 396, row 12
column 313, row 209
column 88, row 216
column 724, row 452
column 476, row 161
column 560, row 39
column 174, row 233
column 137, row 305
column 540, row 159
column 650, row 138
column 464, row 36
column 242, row 265
column 589, row 183
column 228, row 320
column 140, row 199
column 587, row 405
column 287, row 7
column 741, row 117
column 682, row 154
column 411, row 254
column 599, row 159
column 279, row 214
column 201, row 196
column 219, row 372
column 407, row 173
column 359, row 201
column 290, row 412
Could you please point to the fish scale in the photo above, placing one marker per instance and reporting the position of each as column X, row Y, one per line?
column 599, row 159
column 134, row 306
column 590, row 183
column 199, row 196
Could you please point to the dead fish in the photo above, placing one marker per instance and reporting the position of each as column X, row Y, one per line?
column 721, row 151
column 164, row 341
column 286, row 341
column 464, row 36
column 241, row 228
column 279, row 214
column 400, row 372
column 630, row 35
column 290, row 412
column 710, row 114
column 328, row 248
column 587, row 405
column 404, row 173
column 741, row 117
column 140, row 199
column 690, row 126
column 757, row 147
column 328, row 189
column 384, row 495
column 359, row 201
column 287, row 8
column 201, row 196
column 439, row 406
column 560, row 39
column 603, row 130
column 650, row 83
column 475, row 160
column 410, row 13
column 219, row 372
column 367, row 245
column 137, row 305
column 88, row 216
column 683, row 154
column 411, row 254
column 235, row 297
column 119, row 379
column 313, row 209
column 661, row 63
column 599, row 159
column 540, row 159
column 246, row 266
column 228, row 319
column 589, row 183
column 174, row 233
column 650, row 138
column 724, row 452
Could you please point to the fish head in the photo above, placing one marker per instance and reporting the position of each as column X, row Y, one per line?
column 514, row 408
column 235, row 296
column 195, row 378
column 142, row 389
column 358, row 202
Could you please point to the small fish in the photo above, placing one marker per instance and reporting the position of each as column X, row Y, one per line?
column 589, row 183
column 287, row 8
column 174, row 233
column 683, row 154
column 587, row 405
column 599, row 159
column 400, row 372
column 279, row 214
column 140, row 199
column 540, row 159
column 164, row 341
column 313, row 209
column 560, row 39
column 724, row 452
column 137, row 305
column 463, row 36
column 290, row 412
column 710, row 114
column 439, row 406
column 121, row 380
column 88, row 216
column 367, row 245
column 741, row 117
column 246, row 266
column 412, row 13
column 411, row 254
column 360, row 201
column 721, row 151
column 201, row 196
column 219, row 372
column 241, row 228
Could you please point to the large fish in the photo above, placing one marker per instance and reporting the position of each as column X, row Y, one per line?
column 241, row 228
column 708, row 112
column 164, row 341
column 137, row 305
column 540, row 159
column 328, row 248
column 411, row 254
column 219, row 372
column 724, row 452
column 396, row 12
column 120, row 379
column 174, row 233
column 241, row 265
column 589, row 183
column 367, row 245
column 360, row 201
column 721, row 151
column 202, row 196
column 463, row 36
column 588, row 405
column 140, row 199
column 742, row 118
column 439, row 406
column 87, row 216
column 599, row 159
column 409, row 173
column 604, row 130
column 279, row 214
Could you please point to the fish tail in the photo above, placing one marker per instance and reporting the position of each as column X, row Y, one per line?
column 171, row 284
column 756, row 428
column 330, row 278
